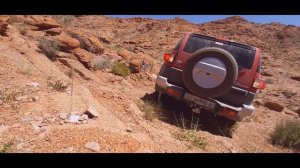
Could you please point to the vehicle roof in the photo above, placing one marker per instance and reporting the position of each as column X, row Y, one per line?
column 228, row 41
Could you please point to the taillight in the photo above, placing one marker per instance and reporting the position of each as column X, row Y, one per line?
column 259, row 84
column 168, row 57
column 174, row 92
column 228, row 112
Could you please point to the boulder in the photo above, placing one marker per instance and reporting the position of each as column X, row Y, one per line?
column 135, row 65
column 67, row 42
column 88, row 41
column 3, row 25
column 141, row 62
column 42, row 22
column 101, row 62
column 96, row 47
column 65, row 55
column 103, row 37
column 274, row 106
column 78, row 67
column 54, row 31
column 147, row 65
column 125, row 54
column 83, row 56
column 16, row 19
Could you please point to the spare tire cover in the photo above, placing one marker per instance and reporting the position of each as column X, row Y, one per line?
column 210, row 72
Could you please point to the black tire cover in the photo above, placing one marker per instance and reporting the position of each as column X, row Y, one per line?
column 231, row 72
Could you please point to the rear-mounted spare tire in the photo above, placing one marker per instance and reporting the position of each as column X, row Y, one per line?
column 210, row 72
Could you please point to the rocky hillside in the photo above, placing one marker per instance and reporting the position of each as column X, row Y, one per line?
column 65, row 86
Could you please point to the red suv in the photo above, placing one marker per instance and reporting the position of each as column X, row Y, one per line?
column 212, row 74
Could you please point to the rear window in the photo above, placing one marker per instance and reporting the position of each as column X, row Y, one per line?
column 244, row 56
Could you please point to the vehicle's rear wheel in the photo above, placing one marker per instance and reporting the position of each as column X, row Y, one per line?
column 210, row 72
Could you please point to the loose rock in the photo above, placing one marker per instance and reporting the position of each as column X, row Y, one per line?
column 63, row 115
column 83, row 117
column 93, row 146
column 3, row 128
column 128, row 130
column 92, row 112
column 22, row 98
column 33, row 84
column 74, row 118
column 274, row 106
column 35, row 98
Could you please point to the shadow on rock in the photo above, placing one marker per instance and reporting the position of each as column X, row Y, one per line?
column 179, row 114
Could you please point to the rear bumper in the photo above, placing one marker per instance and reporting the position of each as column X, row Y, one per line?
column 246, row 110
